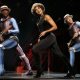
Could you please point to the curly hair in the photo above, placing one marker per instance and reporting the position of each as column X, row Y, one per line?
column 35, row 5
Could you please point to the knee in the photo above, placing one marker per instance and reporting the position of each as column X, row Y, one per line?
column 22, row 56
column 72, row 49
column 35, row 49
column 1, row 46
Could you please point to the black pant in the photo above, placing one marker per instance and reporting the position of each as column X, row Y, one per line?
column 48, row 42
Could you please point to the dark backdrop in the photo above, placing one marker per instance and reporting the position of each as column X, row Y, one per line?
column 21, row 11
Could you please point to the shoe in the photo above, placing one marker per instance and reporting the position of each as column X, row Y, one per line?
column 69, row 76
column 29, row 72
column 39, row 73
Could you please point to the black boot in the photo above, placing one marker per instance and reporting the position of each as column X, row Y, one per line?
column 39, row 73
column 71, row 73
column 70, row 76
column 71, row 69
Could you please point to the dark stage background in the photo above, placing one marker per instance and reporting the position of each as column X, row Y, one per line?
column 21, row 11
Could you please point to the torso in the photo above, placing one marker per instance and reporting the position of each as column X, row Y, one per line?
column 43, row 25
column 74, row 28
column 5, row 23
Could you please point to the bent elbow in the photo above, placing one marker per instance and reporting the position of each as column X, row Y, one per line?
column 56, row 28
column 17, row 31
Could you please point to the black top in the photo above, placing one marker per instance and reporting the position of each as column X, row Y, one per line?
column 43, row 25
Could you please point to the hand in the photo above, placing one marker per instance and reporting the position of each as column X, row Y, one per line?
column 42, row 34
column 68, row 45
column 79, row 32
column 39, row 40
column 75, row 35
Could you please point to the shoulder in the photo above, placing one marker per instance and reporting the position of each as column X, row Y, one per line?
column 47, row 17
column 12, row 19
column 77, row 22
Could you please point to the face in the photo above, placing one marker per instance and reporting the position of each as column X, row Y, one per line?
column 38, row 10
column 5, row 13
column 69, row 19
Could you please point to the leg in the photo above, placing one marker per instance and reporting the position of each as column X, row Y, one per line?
column 1, row 62
column 9, row 43
column 24, row 58
column 57, row 51
column 40, row 48
column 72, row 56
column 5, row 45
column 72, row 51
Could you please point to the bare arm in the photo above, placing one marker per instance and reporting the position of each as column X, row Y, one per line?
column 51, row 22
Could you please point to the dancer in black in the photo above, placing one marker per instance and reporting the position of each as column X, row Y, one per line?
column 47, row 40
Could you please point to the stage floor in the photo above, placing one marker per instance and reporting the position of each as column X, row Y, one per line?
column 46, row 76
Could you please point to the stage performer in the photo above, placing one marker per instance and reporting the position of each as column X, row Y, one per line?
column 8, row 38
column 74, row 43
column 47, row 39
